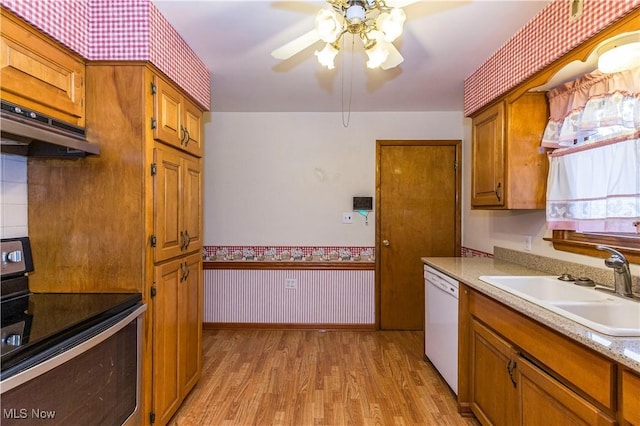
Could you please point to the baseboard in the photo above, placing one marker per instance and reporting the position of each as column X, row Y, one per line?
column 283, row 326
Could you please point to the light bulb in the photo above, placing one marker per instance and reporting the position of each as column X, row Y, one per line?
column 377, row 55
column 391, row 23
column 328, row 25
column 327, row 55
column 620, row 58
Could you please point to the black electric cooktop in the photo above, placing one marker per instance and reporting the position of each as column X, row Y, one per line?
column 38, row 323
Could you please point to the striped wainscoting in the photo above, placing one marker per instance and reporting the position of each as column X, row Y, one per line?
column 323, row 298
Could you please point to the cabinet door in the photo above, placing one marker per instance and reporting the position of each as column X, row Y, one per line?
column 167, row 109
column 493, row 387
column 192, row 204
column 166, row 395
column 193, row 125
column 630, row 397
column 168, row 188
column 545, row 401
column 37, row 73
column 190, row 329
column 487, row 164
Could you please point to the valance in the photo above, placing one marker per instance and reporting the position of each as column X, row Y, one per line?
column 592, row 108
column 594, row 169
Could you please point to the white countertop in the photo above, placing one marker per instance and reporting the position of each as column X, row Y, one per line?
column 625, row 350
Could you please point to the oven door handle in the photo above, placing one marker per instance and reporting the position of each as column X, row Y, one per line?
column 92, row 341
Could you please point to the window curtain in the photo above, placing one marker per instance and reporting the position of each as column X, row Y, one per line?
column 593, row 134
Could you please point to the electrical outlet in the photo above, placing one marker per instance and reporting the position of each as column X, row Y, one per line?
column 347, row 217
column 291, row 283
column 527, row 242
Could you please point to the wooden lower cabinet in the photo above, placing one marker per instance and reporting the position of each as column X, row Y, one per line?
column 493, row 393
column 177, row 333
column 545, row 401
column 630, row 396
column 520, row 373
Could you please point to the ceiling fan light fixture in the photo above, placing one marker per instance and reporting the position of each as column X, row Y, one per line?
column 391, row 23
column 327, row 56
column 377, row 54
column 328, row 25
column 620, row 54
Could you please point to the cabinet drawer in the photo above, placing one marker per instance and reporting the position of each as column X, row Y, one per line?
column 38, row 74
column 589, row 373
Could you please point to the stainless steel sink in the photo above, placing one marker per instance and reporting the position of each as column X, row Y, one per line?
column 600, row 311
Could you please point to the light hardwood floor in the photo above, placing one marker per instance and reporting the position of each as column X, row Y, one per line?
column 303, row 377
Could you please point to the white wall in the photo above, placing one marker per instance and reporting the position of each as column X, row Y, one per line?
column 286, row 178
column 13, row 196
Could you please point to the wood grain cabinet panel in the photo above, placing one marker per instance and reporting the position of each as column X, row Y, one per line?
column 508, row 170
column 178, row 195
column 178, row 121
column 38, row 73
column 113, row 205
column 177, row 340
column 630, row 397
column 493, row 392
column 519, row 372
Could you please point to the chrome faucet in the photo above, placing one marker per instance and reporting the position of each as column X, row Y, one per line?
column 621, row 272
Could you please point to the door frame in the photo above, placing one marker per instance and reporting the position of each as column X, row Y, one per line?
column 380, row 143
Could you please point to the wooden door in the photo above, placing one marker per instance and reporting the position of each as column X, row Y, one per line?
column 190, row 327
column 167, row 194
column 166, row 395
column 487, row 163
column 418, row 186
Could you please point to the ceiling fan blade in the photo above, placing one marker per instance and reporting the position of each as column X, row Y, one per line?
column 400, row 3
column 297, row 45
column 394, row 59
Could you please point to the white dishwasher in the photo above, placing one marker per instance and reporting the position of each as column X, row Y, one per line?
column 441, row 324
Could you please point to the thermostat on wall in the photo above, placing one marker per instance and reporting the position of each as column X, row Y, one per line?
column 363, row 204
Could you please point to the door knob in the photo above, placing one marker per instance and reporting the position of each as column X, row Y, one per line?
column 385, row 243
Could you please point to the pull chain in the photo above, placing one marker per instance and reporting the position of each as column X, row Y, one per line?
column 346, row 124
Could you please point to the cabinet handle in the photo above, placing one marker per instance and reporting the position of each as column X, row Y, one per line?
column 187, row 138
column 182, row 272
column 185, row 242
column 511, row 366
column 187, row 239
column 498, row 191
column 186, row 267
column 184, row 132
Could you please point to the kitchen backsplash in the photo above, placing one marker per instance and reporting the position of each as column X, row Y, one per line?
column 13, row 196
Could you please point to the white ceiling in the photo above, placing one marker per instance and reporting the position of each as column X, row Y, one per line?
column 443, row 43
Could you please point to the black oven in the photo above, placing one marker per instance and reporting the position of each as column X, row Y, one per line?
column 67, row 358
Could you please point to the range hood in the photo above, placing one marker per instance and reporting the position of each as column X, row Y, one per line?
column 29, row 133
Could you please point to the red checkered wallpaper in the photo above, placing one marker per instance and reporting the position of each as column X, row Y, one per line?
column 543, row 40
column 131, row 30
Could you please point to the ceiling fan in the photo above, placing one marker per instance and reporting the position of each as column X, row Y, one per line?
column 376, row 22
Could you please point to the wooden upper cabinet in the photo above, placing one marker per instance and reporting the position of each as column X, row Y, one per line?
column 508, row 169
column 178, row 203
column 488, row 157
column 178, row 121
column 39, row 74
